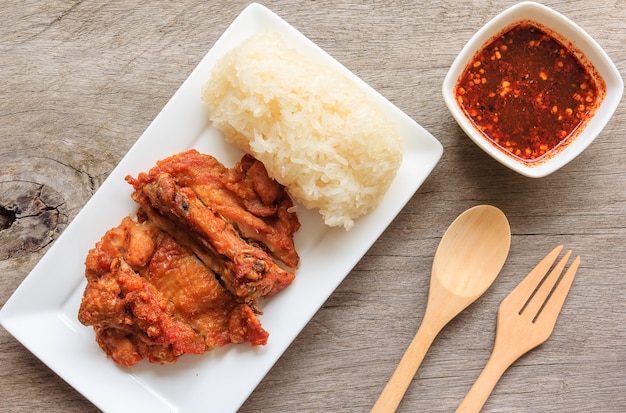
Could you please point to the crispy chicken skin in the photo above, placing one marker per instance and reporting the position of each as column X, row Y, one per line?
column 244, row 196
column 186, row 276
column 242, row 225
column 149, row 298
column 200, row 300
column 250, row 272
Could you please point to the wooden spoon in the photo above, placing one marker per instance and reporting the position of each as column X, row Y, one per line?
column 468, row 260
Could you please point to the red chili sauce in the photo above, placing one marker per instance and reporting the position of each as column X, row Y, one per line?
column 527, row 92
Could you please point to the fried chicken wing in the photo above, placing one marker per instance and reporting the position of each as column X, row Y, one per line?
column 251, row 273
column 244, row 196
column 239, row 214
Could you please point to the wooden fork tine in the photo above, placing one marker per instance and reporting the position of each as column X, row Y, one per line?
column 538, row 299
column 519, row 296
column 553, row 307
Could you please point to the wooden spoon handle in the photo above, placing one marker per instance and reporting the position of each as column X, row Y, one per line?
column 484, row 385
column 393, row 392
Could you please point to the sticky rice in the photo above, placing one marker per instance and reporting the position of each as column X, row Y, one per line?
column 315, row 130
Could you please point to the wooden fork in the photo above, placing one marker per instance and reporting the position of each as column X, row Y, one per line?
column 526, row 319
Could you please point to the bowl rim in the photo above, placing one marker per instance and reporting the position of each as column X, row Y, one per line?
column 565, row 30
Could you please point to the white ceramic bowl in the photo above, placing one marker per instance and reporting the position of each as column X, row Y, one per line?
column 568, row 33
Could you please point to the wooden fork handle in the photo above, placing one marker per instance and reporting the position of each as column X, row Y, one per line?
column 484, row 385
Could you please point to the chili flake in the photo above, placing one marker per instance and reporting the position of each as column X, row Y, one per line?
column 527, row 92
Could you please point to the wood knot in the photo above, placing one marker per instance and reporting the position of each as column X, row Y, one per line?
column 7, row 218
column 32, row 215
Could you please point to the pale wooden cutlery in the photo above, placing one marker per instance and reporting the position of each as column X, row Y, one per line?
column 526, row 319
column 470, row 255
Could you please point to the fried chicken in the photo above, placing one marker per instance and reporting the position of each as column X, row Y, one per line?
column 239, row 215
column 186, row 276
column 245, row 196
column 148, row 297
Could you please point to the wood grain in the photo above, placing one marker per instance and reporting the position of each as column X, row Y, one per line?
column 81, row 80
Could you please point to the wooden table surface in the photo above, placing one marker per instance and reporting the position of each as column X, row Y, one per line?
column 81, row 80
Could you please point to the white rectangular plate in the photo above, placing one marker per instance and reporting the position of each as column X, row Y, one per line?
column 42, row 313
